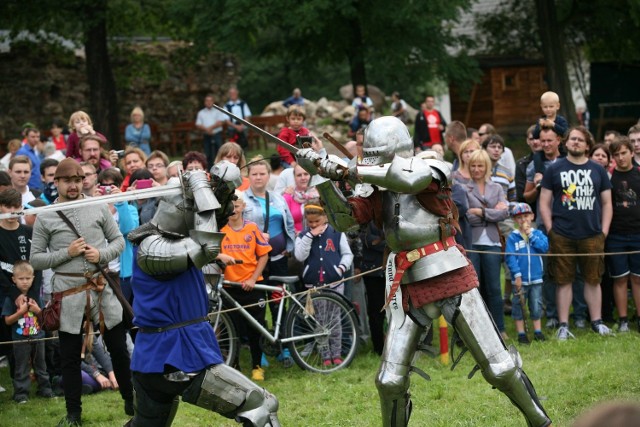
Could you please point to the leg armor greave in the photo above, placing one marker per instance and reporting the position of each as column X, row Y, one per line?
column 500, row 367
column 226, row 391
column 393, row 377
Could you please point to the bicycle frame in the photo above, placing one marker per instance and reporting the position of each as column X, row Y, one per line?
column 264, row 331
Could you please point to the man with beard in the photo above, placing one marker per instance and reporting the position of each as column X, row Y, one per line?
column 575, row 206
column 73, row 260
column 91, row 152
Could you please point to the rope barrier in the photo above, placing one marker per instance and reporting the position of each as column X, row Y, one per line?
column 291, row 295
column 355, row 276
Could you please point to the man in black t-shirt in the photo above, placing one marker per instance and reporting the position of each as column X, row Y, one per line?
column 624, row 235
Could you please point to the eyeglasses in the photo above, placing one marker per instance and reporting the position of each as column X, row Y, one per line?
column 481, row 133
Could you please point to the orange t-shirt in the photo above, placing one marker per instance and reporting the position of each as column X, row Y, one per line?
column 246, row 244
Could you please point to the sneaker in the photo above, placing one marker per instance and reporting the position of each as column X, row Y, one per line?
column 285, row 358
column 337, row 361
column 257, row 374
column 563, row 333
column 601, row 328
column 551, row 323
column 539, row 336
column 327, row 362
column 21, row 399
column 4, row 362
column 2, row 389
column 580, row 323
column 71, row 420
column 522, row 339
column 623, row 326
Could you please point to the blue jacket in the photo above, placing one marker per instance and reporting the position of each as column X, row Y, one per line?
column 528, row 267
column 326, row 257
column 253, row 212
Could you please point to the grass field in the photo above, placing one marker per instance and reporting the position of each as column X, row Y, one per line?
column 569, row 376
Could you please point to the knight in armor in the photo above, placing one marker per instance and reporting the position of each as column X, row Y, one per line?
column 176, row 352
column 427, row 273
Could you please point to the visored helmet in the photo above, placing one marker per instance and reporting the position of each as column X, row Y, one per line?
column 385, row 138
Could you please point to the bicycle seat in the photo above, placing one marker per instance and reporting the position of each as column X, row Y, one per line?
column 285, row 279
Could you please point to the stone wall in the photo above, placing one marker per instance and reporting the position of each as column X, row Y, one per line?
column 40, row 83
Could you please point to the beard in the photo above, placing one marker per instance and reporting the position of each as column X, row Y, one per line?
column 576, row 153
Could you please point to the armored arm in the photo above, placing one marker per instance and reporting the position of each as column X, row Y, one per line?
column 338, row 209
column 407, row 176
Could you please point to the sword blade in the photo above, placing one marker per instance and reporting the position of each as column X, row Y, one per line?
column 147, row 193
column 262, row 132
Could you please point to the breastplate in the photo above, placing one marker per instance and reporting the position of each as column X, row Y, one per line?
column 407, row 226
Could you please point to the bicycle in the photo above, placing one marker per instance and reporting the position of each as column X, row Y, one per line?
column 306, row 334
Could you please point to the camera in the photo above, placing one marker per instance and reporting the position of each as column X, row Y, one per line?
column 143, row 183
column 105, row 189
column 120, row 153
column 304, row 141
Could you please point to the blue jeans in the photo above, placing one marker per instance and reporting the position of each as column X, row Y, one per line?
column 487, row 266
column 533, row 299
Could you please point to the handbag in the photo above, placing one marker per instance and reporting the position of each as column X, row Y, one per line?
column 127, row 311
column 49, row 316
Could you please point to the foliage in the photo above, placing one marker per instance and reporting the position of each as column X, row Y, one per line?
column 568, row 376
column 396, row 46
column 594, row 26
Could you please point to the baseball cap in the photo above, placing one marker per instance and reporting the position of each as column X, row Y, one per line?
column 521, row 209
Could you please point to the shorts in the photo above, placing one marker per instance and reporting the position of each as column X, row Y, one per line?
column 563, row 268
column 622, row 265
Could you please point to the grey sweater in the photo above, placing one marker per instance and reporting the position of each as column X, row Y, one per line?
column 49, row 249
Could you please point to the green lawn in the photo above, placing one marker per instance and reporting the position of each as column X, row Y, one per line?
column 569, row 377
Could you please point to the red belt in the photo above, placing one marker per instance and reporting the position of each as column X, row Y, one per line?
column 406, row 259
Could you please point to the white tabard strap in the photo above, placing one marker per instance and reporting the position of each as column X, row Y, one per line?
column 394, row 310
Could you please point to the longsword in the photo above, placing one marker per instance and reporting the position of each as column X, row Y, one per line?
column 146, row 193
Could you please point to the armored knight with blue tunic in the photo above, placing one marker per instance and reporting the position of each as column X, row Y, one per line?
column 176, row 352
column 427, row 273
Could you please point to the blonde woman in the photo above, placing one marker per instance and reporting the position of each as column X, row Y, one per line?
column 138, row 133
column 487, row 207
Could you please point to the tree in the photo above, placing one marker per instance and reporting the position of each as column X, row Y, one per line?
column 393, row 44
column 88, row 23
column 564, row 32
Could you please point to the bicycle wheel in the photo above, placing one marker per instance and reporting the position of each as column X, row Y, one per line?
column 226, row 336
column 334, row 323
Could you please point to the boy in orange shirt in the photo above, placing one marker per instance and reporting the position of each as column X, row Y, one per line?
column 244, row 242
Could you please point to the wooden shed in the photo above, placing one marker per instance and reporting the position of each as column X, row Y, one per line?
column 508, row 96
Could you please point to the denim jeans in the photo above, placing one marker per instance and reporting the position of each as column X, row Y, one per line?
column 487, row 266
column 533, row 299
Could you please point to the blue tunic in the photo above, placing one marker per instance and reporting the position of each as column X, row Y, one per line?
column 161, row 303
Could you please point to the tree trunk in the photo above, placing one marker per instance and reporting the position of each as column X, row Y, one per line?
column 355, row 55
column 103, row 99
column 553, row 46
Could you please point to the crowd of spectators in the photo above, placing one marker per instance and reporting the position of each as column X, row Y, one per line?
column 530, row 205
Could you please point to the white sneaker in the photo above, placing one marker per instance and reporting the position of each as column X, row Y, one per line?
column 564, row 334
column 601, row 329
column 2, row 389
column 580, row 324
column 623, row 327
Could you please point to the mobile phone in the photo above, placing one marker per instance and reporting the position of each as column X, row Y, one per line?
column 143, row 183
column 105, row 189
